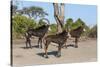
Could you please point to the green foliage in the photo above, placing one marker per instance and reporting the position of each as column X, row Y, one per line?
column 69, row 23
column 41, row 22
column 93, row 32
column 73, row 25
column 21, row 23
column 33, row 12
column 53, row 28
column 25, row 18
column 77, row 23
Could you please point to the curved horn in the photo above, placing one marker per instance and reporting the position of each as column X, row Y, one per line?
column 45, row 20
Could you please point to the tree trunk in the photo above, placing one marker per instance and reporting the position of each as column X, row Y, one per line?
column 59, row 16
column 62, row 13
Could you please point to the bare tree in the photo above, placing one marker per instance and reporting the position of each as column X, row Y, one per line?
column 59, row 15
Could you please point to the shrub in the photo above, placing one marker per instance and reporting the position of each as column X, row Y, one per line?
column 20, row 24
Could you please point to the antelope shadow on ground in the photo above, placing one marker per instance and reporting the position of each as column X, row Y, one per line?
column 49, row 53
column 35, row 46
column 69, row 45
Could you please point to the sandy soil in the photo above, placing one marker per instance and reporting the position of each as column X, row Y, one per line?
column 86, row 52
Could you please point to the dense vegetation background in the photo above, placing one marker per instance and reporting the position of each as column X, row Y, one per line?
column 30, row 18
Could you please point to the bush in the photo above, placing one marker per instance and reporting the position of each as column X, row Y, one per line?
column 70, row 25
column 20, row 24
column 53, row 28
column 93, row 32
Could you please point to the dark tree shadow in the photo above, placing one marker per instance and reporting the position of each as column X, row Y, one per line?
column 24, row 47
column 49, row 53
column 35, row 46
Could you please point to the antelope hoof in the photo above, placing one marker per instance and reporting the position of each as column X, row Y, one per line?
column 46, row 56
column 31, row 47
column 40, row 47
column 76, row 46
column 58, row 55
column 26, row 47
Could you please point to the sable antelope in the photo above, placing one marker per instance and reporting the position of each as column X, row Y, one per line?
column 59, row 39
column 76, row 33
column 38, row 32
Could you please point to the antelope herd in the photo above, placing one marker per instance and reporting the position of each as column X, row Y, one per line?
column 59, row 38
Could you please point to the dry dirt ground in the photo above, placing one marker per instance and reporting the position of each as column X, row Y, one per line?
column 86, row 52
